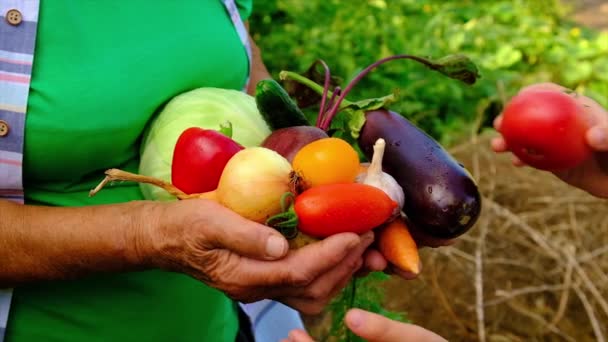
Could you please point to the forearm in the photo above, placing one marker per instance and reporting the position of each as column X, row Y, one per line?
column 258, row 69
column 46, row 243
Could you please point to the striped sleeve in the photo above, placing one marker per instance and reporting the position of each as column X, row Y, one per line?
column 18, row 22
column 18, row 25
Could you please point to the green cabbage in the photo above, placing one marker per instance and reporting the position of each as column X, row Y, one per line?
column 206, row 108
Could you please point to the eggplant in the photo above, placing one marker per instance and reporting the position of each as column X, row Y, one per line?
column 441, row 197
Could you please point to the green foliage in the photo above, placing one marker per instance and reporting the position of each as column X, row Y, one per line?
column 363, row 293
column 513, row 42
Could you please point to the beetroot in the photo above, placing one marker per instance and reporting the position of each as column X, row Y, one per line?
column 289, row 140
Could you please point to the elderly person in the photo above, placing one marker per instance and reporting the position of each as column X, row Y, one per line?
column 79, row 81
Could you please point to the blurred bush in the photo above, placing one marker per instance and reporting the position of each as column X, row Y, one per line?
column 513, row 42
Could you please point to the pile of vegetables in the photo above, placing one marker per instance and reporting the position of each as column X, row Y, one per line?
column 301, row 180
column 228, row 111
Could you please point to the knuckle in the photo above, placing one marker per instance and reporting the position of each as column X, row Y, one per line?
column 313, row 308
column 318, row 292
column 335, row 258
column 210, row 264
column 354, row 264
column 232, row 290
column 300, row 279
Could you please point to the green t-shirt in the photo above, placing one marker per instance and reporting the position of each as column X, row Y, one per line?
column 102, row 69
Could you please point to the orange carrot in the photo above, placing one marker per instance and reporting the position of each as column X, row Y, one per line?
column 398, row 247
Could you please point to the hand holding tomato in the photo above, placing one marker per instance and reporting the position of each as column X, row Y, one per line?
column 568, row 135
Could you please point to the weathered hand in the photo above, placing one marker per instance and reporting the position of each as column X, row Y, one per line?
column 591, row 175
column 249, row 261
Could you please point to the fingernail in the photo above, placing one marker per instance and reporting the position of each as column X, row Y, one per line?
column 368, row 237
column 275, row 246
column 598, row 137
column 355, row 318
column 497, row 122
column 353, row 243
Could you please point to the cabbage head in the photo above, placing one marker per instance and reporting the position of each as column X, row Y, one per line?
column 203, row 107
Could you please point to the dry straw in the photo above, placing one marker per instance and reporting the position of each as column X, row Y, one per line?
column 534, row 268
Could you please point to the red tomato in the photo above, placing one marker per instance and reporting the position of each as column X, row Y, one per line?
column 546, row 129
column 344, row 207
column 199, row 158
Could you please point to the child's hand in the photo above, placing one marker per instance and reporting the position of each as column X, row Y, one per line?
column 591, row 175
column 375, row 328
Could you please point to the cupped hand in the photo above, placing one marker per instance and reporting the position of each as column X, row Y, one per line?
column 250, row 261
column 592, row 174
column 375, row 328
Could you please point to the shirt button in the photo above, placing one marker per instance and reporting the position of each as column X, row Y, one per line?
column 14, row 17
column 3, row 128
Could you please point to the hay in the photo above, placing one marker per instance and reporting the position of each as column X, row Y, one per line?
column 535, row 266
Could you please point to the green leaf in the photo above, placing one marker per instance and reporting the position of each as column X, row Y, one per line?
column 352, row 115
column 364, row 293
column 459, row 67
column 371, row 104
column 356, row 122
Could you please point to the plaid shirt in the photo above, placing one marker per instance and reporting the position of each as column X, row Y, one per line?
column 18, row 25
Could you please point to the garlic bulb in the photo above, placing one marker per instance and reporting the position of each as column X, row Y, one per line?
column 374, row 176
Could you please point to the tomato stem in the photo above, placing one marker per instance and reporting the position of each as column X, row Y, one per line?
column 226, row 129
column 287, row 221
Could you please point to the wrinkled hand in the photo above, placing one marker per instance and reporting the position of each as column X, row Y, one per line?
column 249, row 261
column 375, row 328
column 591, row 175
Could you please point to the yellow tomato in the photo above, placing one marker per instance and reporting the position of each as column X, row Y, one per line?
column 326, row 161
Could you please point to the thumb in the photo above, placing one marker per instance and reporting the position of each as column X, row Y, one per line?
column 597, row 137
column 245, row 237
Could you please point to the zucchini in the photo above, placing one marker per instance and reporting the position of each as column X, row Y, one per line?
column 276, row 107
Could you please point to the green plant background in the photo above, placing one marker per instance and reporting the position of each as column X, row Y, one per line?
column 514, row 43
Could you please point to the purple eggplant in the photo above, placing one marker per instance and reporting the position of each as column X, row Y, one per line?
column 441, row 197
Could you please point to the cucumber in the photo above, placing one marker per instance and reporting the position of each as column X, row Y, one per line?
column 276, row 107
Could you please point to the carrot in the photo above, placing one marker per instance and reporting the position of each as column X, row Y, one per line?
column 398, row 247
